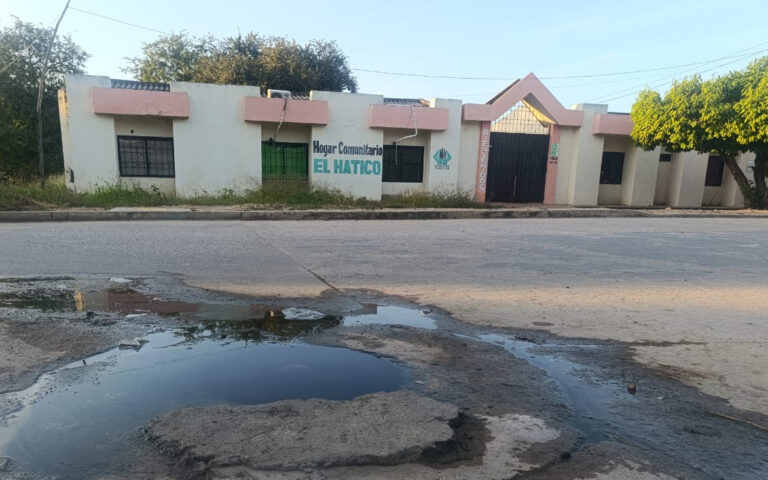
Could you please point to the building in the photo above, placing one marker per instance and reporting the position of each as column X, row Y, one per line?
column 521, row 146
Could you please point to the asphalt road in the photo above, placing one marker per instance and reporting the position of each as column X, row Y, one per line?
column 690, row 292
column 356, row 253
column 686, row 298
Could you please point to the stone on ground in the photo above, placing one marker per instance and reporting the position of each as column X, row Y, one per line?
column 378, row 429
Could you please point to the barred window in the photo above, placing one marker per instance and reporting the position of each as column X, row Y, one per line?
column 715, row 169
column 145, row 156
column 612, row 168
column 284, row 161
column 408, row 167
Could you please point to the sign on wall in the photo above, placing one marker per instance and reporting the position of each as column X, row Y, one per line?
column 442, row 157
column 346, row 166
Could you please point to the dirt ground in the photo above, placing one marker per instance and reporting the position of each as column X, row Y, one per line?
column 539, row 422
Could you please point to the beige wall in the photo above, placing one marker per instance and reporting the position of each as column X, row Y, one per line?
column 215, row 148
column 144, row 127
column 568, row 144
column 66, row 145
column 585, row 156
column 289, row 133
column 439, row 179
column 347, row 122
column 468, row 154
column 92, row 147
column 609, row 195
column 686, row 180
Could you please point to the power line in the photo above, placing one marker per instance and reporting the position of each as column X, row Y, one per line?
column 635, row 90
column 454, row 77
column 593, row 75
column 116, row 20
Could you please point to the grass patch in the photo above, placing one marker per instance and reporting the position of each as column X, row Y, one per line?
column 15, row 195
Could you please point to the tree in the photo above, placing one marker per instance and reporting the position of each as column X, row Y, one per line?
column 22, row 48
column 725, row 115
column 267, row 62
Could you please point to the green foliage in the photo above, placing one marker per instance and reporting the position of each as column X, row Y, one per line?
column 22, row 48
column 20, row 195
column 267, row 62
column 725, row 115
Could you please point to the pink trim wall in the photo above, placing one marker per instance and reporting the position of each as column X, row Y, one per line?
column 312, row 112
column 118, row 101
column 481, row 181
column 532, row 90
column 612, row 124
column 550, row 184
column 402, row 116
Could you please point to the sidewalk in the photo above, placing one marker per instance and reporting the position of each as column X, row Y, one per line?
column 219, row 213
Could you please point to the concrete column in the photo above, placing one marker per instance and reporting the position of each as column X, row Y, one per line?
column 439, row 176
column 686, row 182
column 640, row 172
column 586, row 157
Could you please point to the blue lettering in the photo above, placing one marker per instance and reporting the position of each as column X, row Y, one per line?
column 317, row 165
column 377, row 167
column 367, row 167
column 325, row 166
column 346, row 167
column 355, row 164
column 337, row 165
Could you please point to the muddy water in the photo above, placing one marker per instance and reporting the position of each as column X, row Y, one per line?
column 85, row 418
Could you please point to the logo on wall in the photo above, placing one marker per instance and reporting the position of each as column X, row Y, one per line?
column 442, row 157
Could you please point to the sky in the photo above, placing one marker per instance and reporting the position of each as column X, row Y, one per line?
column 493, row 43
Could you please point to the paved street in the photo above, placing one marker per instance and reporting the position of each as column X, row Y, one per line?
column 658, row 281
column 686, row 298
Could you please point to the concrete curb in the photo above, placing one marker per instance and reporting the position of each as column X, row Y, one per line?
column 384, row 214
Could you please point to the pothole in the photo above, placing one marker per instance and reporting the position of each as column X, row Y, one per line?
column 80, row 419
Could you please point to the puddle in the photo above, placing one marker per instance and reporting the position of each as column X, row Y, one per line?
column 372, row 314
column 591, row 402
column 81, row 419
column 118, row 298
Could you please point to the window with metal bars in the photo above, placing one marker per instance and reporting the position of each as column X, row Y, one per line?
column 145, row 156
column 403, row 164
column 284, row 161
column 715, row 169
column 612, row 168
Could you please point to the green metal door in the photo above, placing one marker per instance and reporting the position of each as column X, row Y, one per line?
column 284, row 161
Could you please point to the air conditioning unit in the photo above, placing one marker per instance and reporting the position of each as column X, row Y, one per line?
column 285, row 94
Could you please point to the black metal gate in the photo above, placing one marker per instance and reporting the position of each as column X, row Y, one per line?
column 517, row 167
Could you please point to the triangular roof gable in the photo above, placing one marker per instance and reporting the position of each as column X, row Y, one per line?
column 530, row 90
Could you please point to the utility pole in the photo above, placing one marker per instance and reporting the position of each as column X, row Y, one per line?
column 40, row 91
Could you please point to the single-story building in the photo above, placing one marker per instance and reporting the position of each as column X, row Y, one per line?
column 521, row 146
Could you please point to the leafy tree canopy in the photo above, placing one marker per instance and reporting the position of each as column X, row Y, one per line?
column 22, row 48
column 725, row 115
column 267, row 62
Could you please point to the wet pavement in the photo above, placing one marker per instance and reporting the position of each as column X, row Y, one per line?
column 85, row 417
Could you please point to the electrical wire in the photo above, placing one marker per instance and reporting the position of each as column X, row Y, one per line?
column 509, row 78
column 112, row 19
column 592, row 75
